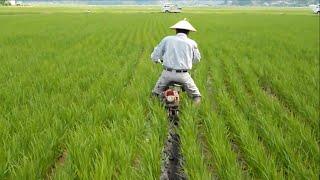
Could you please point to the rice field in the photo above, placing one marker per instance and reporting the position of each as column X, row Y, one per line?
column 75, row 94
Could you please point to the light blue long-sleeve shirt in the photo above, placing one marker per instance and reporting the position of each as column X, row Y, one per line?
column 177, row 52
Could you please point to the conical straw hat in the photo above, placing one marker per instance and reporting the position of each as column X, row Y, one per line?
column 184, row 24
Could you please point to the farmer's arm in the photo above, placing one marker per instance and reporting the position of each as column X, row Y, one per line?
column 196, row 54
column 158, row 51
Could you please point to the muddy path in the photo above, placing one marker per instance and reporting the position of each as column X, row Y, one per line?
column 172, row 160
column 59, row 161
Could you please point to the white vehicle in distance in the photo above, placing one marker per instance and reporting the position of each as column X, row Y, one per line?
column 19, row 3
column 315, row 8
column 171, row 8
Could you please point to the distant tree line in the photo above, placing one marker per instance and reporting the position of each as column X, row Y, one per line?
column 184, row 2
column 247, row 2
column 5, row 2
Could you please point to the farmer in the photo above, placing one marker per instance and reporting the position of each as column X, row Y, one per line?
column 177, row 53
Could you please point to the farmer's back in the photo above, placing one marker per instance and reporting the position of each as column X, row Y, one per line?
column 177, row 53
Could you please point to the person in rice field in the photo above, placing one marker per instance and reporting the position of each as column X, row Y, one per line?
column 177, row 54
